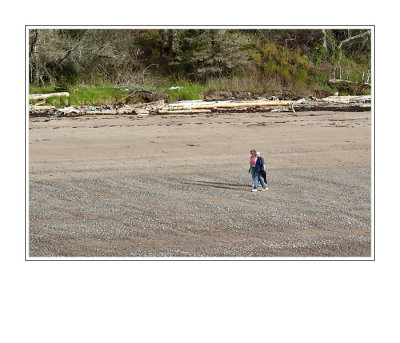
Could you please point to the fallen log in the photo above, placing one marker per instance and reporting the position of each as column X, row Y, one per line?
column 225, row 104
column 100, row 112
column 348, row 99
column 39, row 103
column 183, row 111
column 337, row 81
column 148, row 105
column 335, row 107
column 332, row 103
column 41, row 108
column 112, row 112
column 251, row 109
column 45, row 96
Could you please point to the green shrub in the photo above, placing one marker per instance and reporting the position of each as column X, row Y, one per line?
column 319, row 54
column 58, row 101
column 270, row 67
column 300, row 60
column 269, row 49
column 62, row 85
column 320, row 77
column 255, row 56
column 366, row 92
column 284, row 73
column 301, row 76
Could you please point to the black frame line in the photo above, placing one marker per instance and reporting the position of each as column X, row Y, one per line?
column 195, row 259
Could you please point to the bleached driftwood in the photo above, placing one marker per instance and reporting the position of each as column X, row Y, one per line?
column 332, row 103
column 183, row 111
column 224, row 104
column 69, row 110
column 348, row 99
column 337, row 81
column 41, row 108
column 105, row 112
column 45, row 96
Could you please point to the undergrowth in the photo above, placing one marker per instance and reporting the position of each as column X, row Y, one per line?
column 275, row 71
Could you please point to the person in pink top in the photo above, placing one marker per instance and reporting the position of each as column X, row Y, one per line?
column 253, row 160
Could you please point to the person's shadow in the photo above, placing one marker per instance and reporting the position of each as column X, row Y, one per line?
column 223, row 185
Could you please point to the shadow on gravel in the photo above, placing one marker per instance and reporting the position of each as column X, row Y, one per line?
column 219, row 185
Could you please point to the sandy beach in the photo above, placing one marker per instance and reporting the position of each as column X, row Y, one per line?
column 178, row 185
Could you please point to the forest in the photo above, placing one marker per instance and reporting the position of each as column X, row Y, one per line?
column 141, row 65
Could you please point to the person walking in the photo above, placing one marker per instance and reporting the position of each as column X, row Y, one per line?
column 253, row 160
column 260, row 165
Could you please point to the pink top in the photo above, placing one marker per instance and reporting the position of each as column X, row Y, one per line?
column 253, row 160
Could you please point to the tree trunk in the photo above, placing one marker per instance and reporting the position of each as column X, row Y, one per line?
column 170, row 42
column 324, row 43
column 45, row 96
column 32, row 44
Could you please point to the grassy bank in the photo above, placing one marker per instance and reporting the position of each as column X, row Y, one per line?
column 85, row 95
column 107, row 94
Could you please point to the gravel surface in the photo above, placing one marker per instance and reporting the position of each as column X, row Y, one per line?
column 202, row 210
column 304, row 213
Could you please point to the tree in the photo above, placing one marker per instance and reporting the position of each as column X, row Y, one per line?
column 211, row 53
column 69, row 53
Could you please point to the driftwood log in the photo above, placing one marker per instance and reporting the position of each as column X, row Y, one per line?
column 332, row 103
column 45, row 96
column 41, row 108
column 337, row 81
column 223, row 104
column 347, row 99
column 183, row 111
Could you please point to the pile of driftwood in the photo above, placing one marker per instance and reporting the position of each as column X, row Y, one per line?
column 332, row 103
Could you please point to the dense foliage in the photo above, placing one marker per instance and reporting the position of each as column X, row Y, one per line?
column 267, row 61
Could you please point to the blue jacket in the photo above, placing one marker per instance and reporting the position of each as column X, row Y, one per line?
column 259, row 164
